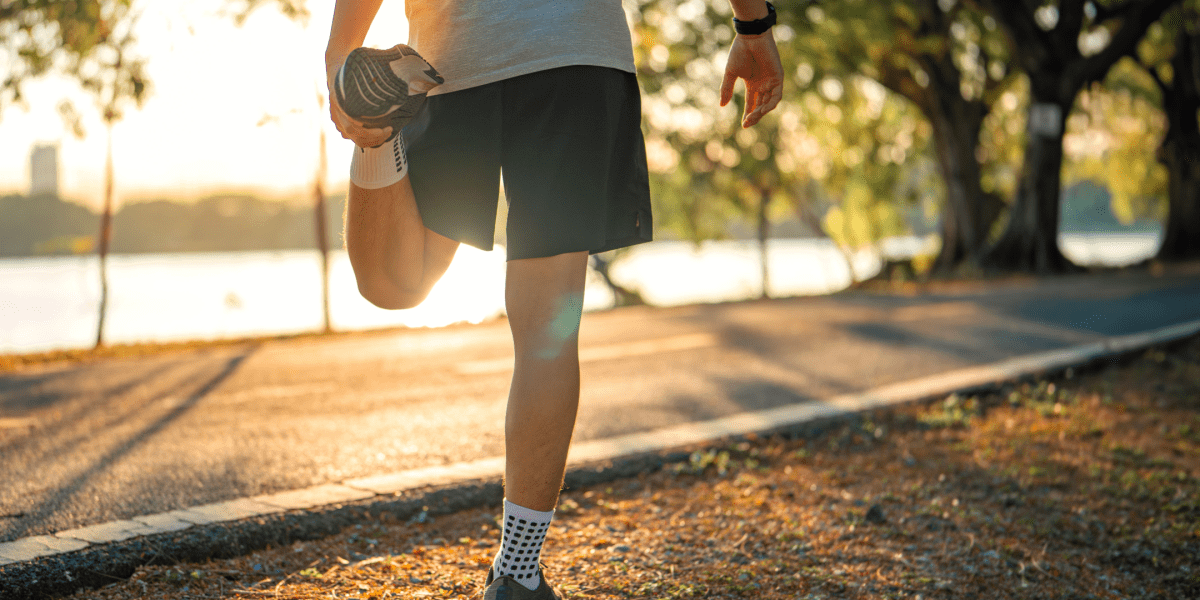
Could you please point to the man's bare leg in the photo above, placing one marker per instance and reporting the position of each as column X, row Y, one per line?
column 395, row 258
column 544, row 297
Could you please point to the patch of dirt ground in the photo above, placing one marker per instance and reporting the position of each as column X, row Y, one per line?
column 1084, row 485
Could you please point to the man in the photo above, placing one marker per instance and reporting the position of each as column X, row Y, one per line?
column 543, row 90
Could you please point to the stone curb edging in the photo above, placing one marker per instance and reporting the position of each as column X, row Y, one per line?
column 46, row 565
column 94, row 565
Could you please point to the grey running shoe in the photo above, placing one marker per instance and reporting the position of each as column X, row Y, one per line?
column 384, row 88
column 507, row 588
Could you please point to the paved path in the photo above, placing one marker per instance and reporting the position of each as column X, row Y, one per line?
column 120, row 438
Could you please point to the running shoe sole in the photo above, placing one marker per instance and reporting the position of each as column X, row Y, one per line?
column 384, row 88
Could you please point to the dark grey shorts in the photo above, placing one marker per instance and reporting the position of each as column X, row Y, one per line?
column 569, row 143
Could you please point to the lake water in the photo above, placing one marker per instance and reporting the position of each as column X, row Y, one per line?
column 50, row 303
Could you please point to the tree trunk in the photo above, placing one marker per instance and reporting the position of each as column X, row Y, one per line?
column 1180, row 152
column 956, row 122
column 805, row 213
column 322, row 235
column 1030, row 239
column 956, row 138
column 105, row 236
column 1057, row 70
column 622, row 296
column 764, row 231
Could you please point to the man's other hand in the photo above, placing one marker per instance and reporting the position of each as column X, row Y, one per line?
column 755, row 59
column 350, row 129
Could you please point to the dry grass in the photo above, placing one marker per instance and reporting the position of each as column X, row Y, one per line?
column 1082, row 487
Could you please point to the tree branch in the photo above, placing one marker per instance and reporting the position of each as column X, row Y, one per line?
column 1124, row 42
column 1066, row 32
column 933, row 19
column 1162, row 85
column 992, row 93
column 1115, row 11
column 1032, row 47
column 992, row 88
column 901, row 82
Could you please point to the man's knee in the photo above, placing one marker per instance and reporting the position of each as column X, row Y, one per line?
column 562, row 331
column 545, row 302
column 389, row 296
column 548, row 336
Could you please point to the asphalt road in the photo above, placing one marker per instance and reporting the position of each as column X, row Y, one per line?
column 118, row 438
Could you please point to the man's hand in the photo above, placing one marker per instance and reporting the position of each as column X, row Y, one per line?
column 349, row 128
column 755, row 59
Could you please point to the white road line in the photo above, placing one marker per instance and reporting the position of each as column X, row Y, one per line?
column 17, row 422
column 275, row 392
column 928, row 312
column 690, row 341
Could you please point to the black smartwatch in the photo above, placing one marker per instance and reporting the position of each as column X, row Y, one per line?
column 757, row 26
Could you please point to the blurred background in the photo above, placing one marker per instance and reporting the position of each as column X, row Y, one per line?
column 168, row 170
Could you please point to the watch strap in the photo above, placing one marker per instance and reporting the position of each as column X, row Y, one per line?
column 756, row 26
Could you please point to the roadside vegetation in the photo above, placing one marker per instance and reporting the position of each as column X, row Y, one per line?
column 1082, row 485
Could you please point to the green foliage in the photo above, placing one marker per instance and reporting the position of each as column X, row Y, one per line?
column 221, row 223
column 723, row 461
column 700, row 461
column 43, row 224
column 705, row 171
column 954, row 411
column 92, row 43
column 911, row 46
column 1002, row 139
column 240, row 10
column 862, row 218
column 1155, row 49
column 1112, row 138
column 832, row 128
column 1063, row 47
column 1047, row 399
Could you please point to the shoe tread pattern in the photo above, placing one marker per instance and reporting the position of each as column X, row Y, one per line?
column 369, row 92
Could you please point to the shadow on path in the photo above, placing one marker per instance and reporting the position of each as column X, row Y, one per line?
column 108, row 403
column 35, row 519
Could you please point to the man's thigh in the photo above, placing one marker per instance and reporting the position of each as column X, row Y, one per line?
column 454, row 164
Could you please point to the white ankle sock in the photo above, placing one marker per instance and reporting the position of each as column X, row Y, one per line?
column 521, row 544
column 374, row 168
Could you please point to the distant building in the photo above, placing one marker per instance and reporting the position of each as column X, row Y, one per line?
column 43, row 170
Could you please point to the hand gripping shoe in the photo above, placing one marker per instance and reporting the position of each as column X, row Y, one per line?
column 507, row 588
column 384, row 88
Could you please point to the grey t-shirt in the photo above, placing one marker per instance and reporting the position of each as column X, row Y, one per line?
column 475, row 42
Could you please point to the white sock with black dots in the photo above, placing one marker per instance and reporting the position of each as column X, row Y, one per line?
column 375, row 168
column 521, row 544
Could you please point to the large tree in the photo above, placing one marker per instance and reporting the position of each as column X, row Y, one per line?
column 949, row 60
column 1062, row 46
column 835, row 131
column 708, row 171
column 91, row 42
column 1173, row 62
